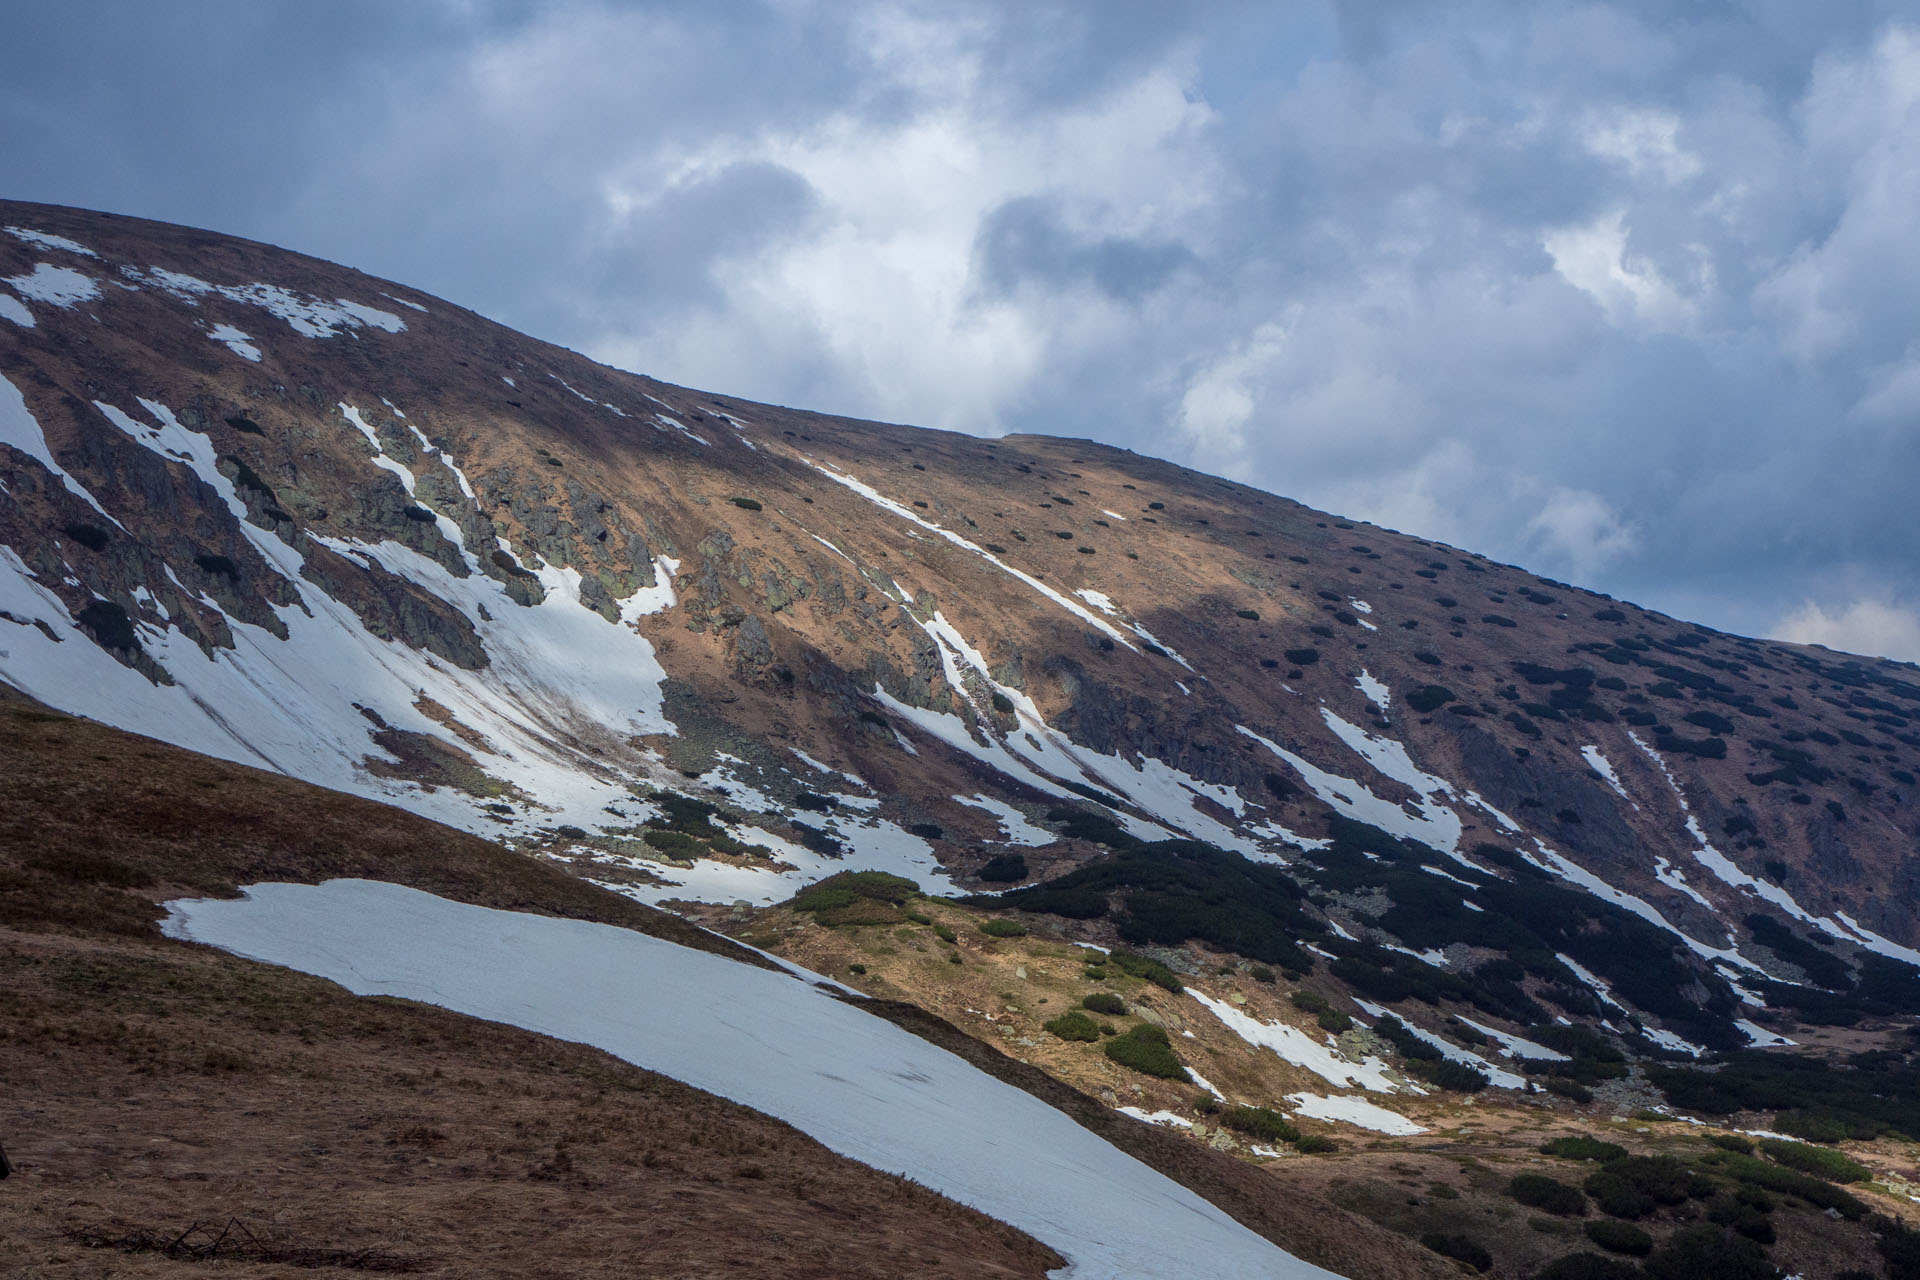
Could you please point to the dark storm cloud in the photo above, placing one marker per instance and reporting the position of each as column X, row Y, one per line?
column 1623, row 291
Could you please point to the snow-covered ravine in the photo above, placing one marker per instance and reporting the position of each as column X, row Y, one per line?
column 860, row 1085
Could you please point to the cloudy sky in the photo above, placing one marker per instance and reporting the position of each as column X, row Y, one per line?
column 1628, row 292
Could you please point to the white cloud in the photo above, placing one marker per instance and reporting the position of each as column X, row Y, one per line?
column 1875, row 627
column 1595, row 258
column 1646, row 142
column 1580, row 531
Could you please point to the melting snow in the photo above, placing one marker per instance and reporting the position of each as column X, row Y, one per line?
column 1604, row 768
column 237, row 342
column 1668, row 1040
column 1302, row 1050
column 1014, row 827
column 1115, row 514
column 1840, row 925
column 1498, row 1077
column 1156, row 1117
column 1376, row 691
column 1513, row 1046
column 818, row 767
column 857, row 1083
column 306, row 315
column 13, row 309
column 1593, row 980
column 47, row 240
column 57, row 286
column 1759, row 1036
column 888, row 504
column 19, row 428
column 556, row 668
column 1354, row 1111
column 1425, row 820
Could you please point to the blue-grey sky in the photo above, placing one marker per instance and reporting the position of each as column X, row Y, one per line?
column 1625, row 292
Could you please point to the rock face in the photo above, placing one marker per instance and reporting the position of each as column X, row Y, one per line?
column 377, row 519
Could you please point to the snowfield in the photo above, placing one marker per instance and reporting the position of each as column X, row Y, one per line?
column 859, row 1085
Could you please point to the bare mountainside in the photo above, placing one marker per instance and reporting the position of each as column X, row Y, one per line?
column 278, row 511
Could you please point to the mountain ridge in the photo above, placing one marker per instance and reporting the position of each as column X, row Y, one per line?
column 705, row 652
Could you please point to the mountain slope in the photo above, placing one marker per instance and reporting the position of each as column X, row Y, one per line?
column 273, row 509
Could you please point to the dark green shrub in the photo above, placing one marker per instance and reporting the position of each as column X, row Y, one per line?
column 248, row 425
column 1732, row 1142
column 1583, row 1147
column 1260, row 1122
column 1537, row 1191
column 418, row 514
column 1705, row 1252
column 1005, row 869
column 814, row 802
column 1314, row 1144
column 1145, row 1049
column 1003, row 928
column 676, row 844
column 1135, row 965
column 1429, row 697
column 1572, row 1090
column 90, row 536
column 1459, row 1248
column 927, row 830
column 1310, row 1001
column 816, row 839
column 918, row 918
column 856, row 968
column 945, row 933
column 1002, row 703
column 1460, row 1077
column 1771, row 1177
column 1105, row 1002
column 1737, row 1215
column 1074, row 1025
column 1302, row 657
column 844, row 888
column 108, row 624
column 745, row 504
column 1333, row 1020
column 1619, row 1237
column 1261, row 974
column 1251, row 615
column 218, row 565
column 1588, row 1266
column 1821, row 1162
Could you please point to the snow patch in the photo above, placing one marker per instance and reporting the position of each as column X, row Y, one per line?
column 47, row 240
column 237, row 342
column 1302, row 1050
column 1376, row 691
column 1599, row 763
column 1014, row 827
column 1353, row 1111
column 1513, row 1046
column 61, row 287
